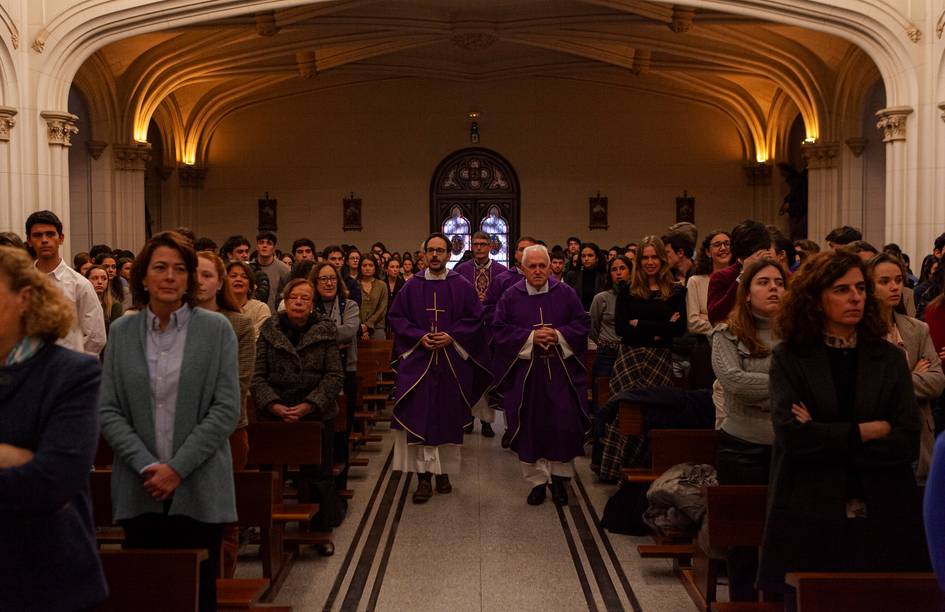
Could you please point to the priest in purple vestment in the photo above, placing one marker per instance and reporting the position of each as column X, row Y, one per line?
column 540, row 339
column 483, row 273
column 439, row 352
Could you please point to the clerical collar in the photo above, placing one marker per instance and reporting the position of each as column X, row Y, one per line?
column 431, row 275
column 485, row 265
column 533, row 291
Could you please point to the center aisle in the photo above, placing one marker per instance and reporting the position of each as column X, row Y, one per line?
column 479, row 548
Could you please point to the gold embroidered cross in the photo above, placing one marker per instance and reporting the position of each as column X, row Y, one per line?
column 545, row 353
column 436, row 313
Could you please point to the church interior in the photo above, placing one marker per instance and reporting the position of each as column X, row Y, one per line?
column 361, row 121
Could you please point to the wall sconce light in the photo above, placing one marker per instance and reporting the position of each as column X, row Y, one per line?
column 474, row 128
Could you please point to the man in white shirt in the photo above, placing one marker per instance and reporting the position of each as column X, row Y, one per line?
column 44, row 234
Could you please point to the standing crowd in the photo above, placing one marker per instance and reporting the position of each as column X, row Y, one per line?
column 821, row 370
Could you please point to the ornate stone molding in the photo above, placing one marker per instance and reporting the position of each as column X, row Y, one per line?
column 96, row 148
column 6, row 122
column 821, row 156
column 306, row 63
column 857, row 145
column 191, row 176
column 941, row 107
column 758, row 173
column 266, row 24
column 914, row 34
column 133, row 157
column 892, row 121
column 60, row 127
column 682, row 19
column 940, row 25
column 39, row 43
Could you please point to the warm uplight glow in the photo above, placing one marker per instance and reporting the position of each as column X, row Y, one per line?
column 810, row 140
column 188, row 159
column 761, row 157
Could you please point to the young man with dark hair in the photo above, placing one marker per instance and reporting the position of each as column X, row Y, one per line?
column 205, row 244
column 303, row 249
column 843, row 236
column 276, row 271
column 679, row 249
column 938, row 246
column 44, row 235
column 750, row 241
column 440, row 351
column 99, row 249
column 557, row 264
column 572, row 248
column 236, row 248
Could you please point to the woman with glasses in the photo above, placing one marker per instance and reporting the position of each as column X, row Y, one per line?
column 332, row 302
column 714, row 254
column 297, row 377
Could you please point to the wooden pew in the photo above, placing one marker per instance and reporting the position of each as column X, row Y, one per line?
column 100, row 488
column 152, row 580
column 735, row 516
column 866, row 592
column 281, row 445
column 163, row 580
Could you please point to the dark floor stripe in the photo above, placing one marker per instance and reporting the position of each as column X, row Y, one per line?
column 594, row 558
column 578, row 565
column 363, row 569
column 621, row 575
column 343, row 571
column 382, row 568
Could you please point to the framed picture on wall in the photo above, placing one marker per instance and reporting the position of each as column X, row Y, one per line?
column 268, row 209
column 351, row 213
column 598, row 212
column 685, row 208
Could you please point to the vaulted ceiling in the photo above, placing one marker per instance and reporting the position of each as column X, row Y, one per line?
column 760, row 74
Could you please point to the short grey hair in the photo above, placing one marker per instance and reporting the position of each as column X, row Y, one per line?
column 536, row 248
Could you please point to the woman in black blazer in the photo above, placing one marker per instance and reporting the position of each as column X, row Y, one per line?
column 842, row 495
column 48, row 434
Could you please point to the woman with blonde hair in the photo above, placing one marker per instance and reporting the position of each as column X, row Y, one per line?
column 48, row 437
column 648, row 314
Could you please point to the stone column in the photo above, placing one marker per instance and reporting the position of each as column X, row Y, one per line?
column 823, row 188
column 852, row 205
column 901, row 210
column 130, row 161
column 60, row 128
column 758, row 177
column 7, row 122
column 190, row 181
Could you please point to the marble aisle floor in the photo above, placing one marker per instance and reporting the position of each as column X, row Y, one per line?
column 480, row 547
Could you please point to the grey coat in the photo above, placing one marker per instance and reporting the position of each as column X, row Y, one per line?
column 289, row 375
column 208, row 409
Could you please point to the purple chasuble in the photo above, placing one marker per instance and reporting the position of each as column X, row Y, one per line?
column 545, row 397
column 480, row 278
column 435, row 390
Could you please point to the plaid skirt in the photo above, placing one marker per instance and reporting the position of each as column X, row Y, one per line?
column 635, row 368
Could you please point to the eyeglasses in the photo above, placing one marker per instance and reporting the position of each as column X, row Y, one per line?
column 327, row 280
column 436, row 251
column 481, row 244
column 726, row 244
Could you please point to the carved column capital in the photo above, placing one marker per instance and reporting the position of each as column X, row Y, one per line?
column 821, row 156
column 96, row 148
column 60, row 127
column 682, row 19
column 941, row 107
column 191, row 176
column 857, row 145
column 6, row 121
column 758, row 173
column 892, row 121
column 133, row 157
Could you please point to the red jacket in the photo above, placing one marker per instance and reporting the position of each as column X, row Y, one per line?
column 723, row 285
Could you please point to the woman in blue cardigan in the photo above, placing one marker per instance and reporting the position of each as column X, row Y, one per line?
column 48, row 434
column 170, row 400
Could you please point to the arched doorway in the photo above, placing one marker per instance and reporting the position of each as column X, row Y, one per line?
column 475, row 189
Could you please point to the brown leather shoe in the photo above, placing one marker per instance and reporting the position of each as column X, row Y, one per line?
column 424, row 489
column 443, row 483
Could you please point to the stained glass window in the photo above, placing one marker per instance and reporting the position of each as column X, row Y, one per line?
column 456, row 228
column 497, row 227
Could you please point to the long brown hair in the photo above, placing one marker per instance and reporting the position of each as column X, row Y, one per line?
column 225, row 299
column 639, row 284
column 106, row 299
column 741, row 320
column 881, row 258
column 342, row 292
column 801, row 318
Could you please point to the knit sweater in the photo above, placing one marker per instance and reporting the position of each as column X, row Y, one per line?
column 744, row 380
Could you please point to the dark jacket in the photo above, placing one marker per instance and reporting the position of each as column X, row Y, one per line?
column 286, row 374
column 654, row 328
column 262, row 283
column 813, row 465
column 48, row 555
column 575, row 278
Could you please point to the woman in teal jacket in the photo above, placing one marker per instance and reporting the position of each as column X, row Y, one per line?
column 170, row 400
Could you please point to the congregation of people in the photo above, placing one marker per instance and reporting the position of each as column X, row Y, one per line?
column 822, row 369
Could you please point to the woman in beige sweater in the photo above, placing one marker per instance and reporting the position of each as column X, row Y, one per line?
column 373, row 300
